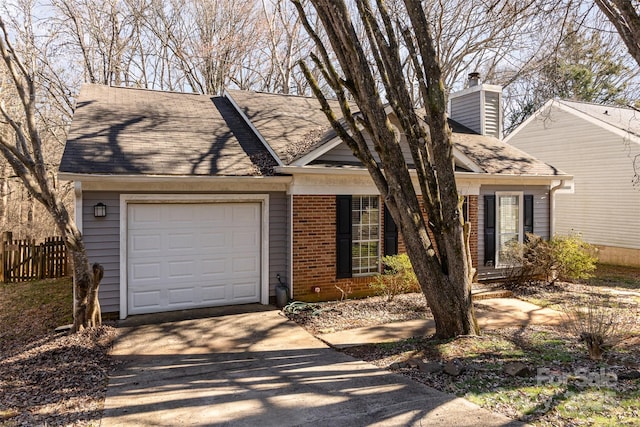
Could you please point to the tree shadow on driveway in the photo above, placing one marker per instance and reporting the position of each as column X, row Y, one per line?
column 262, row 369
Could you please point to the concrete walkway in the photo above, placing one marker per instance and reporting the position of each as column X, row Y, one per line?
column 491, row 314
column 259, row 369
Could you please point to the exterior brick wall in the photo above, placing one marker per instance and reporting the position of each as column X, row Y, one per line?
column 314, row 249
column 314, row 252
column 473, row 235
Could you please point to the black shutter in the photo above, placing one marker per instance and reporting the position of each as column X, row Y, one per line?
column 489, row 230
column 528, row 214
column 465, row 209
column 390, row 234
column 343, row 236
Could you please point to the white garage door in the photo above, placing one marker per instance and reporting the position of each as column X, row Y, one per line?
column 183, row 255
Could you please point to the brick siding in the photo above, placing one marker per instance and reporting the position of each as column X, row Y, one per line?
column 314, row 249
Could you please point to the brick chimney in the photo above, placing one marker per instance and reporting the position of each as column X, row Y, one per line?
column 478, row 107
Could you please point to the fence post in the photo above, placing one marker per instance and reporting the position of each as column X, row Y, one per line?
column 7, row 237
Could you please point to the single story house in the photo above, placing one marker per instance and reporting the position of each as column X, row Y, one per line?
column 193, row 201
column 600, row 146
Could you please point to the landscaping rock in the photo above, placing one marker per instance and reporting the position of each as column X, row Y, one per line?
column 422, row 366
column 629, row 375
column 415, row 363
column 431, row 368
column 398, row 365
column 454, row 367
column 517, row 369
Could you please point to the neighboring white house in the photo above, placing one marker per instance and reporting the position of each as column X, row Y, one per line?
column 599, row 145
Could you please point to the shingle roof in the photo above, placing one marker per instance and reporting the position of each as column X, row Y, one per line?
column 292, row 125
column 131, row 131
column 626, row 119
column 497, row 157
column 295, row 126
column 142, row 132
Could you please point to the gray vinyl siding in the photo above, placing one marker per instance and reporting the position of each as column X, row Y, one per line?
column 541, row 225
column 465, row 109
column 278, row 240
column 343, row 154
column 102, row 240
column 604, row 208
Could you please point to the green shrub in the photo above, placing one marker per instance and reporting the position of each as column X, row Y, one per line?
column 398, row 277
column 574, row 259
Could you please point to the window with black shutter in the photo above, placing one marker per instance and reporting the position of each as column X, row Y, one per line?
column 528, row 214
column 489, row 230
column 358, row 235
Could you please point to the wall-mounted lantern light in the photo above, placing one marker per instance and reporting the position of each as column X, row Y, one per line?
column 100, row 210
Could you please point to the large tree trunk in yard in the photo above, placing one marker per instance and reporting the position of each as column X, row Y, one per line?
column 86, row 279
column 441, row 262
column 448, row 293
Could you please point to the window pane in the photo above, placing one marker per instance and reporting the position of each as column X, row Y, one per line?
column 365, row 234
column 508, row 223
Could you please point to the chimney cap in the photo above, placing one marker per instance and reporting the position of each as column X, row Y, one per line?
column 474, row 78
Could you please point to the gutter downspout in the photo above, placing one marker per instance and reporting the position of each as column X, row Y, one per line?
column 552, row 207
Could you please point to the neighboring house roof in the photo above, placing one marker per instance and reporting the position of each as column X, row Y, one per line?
column 623, row 118
column 123, row 131
column 622, row 121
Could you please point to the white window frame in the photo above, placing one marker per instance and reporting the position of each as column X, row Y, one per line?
column 499, row 194
column 354, row 240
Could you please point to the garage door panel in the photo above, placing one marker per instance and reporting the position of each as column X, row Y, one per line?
column 181, row 269
column 214, row 294
column 212, row 240
column 245, row 214
column 146, row 300
column 212, row 266
column 180, row 241
column 146, row 271
column 146, row 242
column 244, row 238
column 244, row 265
column 244, row 290
column 193, row 255
column 145, row 216
column 178, row 296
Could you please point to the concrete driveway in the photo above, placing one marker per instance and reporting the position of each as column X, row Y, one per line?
column 249, row 366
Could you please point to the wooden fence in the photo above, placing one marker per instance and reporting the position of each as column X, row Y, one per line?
column 24, row 260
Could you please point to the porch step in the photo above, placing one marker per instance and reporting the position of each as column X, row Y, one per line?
column 492, row 275
column 480, row 294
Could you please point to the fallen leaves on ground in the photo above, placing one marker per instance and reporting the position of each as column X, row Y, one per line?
column 56, row 379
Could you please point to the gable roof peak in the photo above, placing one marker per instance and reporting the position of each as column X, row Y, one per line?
column 621, row 117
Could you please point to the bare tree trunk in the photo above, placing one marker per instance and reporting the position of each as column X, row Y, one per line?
column 442, row 266
column 22, row 148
